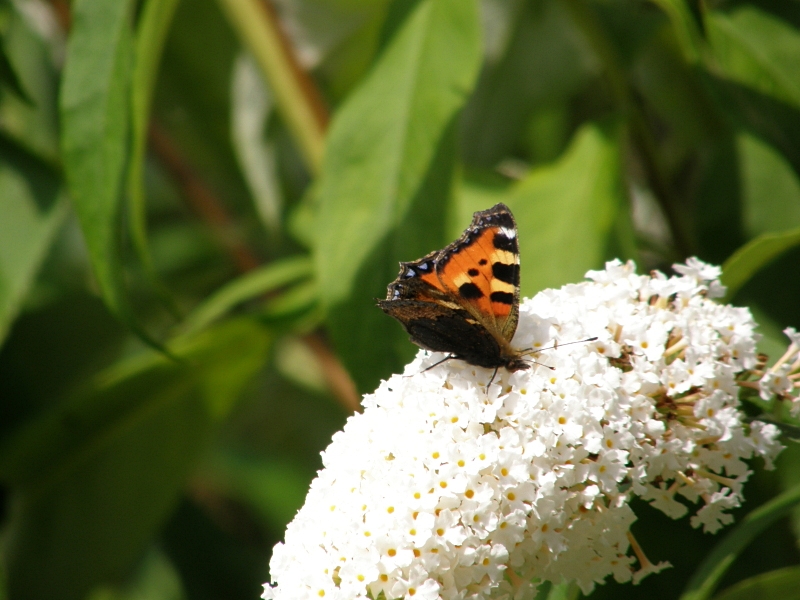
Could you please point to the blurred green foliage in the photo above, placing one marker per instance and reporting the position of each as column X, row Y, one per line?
column 182, row 280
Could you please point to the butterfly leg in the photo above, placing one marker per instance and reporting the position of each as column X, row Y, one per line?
column 437, row 363
column 491, row 379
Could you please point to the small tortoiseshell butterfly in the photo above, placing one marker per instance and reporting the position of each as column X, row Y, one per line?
column 464, row 299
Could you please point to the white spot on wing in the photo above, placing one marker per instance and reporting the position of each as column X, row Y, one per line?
column 509, row 233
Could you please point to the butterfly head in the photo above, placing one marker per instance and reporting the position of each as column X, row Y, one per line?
column 517, row 363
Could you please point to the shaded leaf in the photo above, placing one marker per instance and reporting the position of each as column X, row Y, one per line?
column 151, row 35
column 96, row 477
column 545, row 63
column 686, row 27
column 95, row 127
column 155, row 579
column 708, row 574
column 9, row 77
column 744, row 108
column 31, row 211
column 275, row 489
column 386, row 176
column 770, row 188
column 214, row 562
column 192, row 101
column 753, row 256
column 781, row 584
column 247, row 287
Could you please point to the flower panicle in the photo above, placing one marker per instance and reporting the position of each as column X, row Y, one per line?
column 449, row 487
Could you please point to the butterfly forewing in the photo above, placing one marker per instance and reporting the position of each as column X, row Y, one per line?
column 481, row 270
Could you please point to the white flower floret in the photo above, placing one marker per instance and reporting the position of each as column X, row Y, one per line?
column 444, row 488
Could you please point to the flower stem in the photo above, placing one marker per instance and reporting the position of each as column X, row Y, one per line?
column 299, row 101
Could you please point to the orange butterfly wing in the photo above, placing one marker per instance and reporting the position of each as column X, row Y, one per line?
column 480, row 270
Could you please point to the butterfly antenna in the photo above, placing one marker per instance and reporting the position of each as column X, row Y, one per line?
column 556, row 346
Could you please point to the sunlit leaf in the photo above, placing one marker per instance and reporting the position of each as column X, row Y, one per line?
column 386, row 176
column 95, row 127
column 32, row 124
column 566, row 211
column 757, row 49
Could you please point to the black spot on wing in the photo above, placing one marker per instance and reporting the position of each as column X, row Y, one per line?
column 506, row 273
column 502, row 242
column 473, row 272
column 482, row 262
column 502, row 297
column 469, row 291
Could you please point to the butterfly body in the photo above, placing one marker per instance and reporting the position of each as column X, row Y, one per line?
column 464, row 299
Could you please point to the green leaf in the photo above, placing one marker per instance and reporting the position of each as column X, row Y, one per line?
column 387, row 177
column 31, row 211
column 686, row 28
column 674, row 91
column 9, row 77
column 96, row 477
column 711, row 570
column 476, row 190
column 756, row 49
column 753, row 256
column 247, row 287
column 192, row 103
column 781, row 584
column 150, row 38
column 95, row 128
column 156, row 578
column 275, row 489
column 545, row 64
column 770, row 188
column 34, row 124
column 566, row 211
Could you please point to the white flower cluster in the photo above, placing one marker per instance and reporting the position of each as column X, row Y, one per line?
column 782, row 380
column 443, row 488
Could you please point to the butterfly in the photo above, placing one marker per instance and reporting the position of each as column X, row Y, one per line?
column 464, row 299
